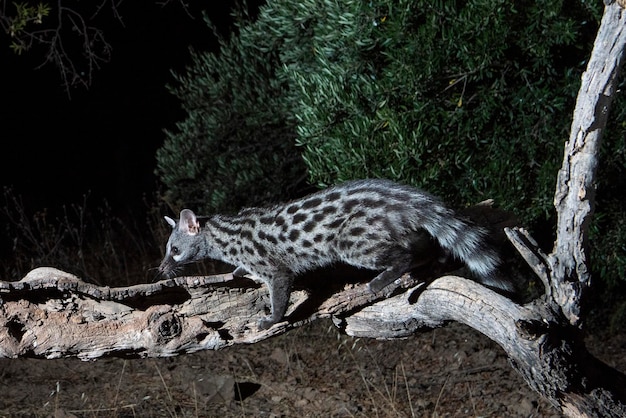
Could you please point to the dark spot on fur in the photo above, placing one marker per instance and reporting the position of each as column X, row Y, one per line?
column 226, row 229
column 306, row 243
column 308, row 227
column 335, row 224
column 396, row 207
column 318, row 238
column 344, row 244
column 299, row 217
column 356, row 231
column 351, row 204
column 294, row 234
column 246, row 234
column 260, row 249
column 279, row 220
column 332, row 196
column 233, row 251
column 327, row 210
column 243, row 221
column 372, row 203
column 266, row 220
column 272, row 239
column 311, row 203
column 318, row 217
column 293, row 209
column 368, row 251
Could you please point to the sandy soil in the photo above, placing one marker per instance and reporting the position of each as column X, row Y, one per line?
column 311, row 372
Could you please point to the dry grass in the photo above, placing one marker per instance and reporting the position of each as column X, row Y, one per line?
column 86, row 239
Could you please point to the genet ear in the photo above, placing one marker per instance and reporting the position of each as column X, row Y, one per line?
column 170, row 221
column 188, row 222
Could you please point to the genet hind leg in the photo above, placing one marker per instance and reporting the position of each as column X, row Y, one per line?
column 387, row 277
column 280, row 290
column 422, row 250
column 398, row 261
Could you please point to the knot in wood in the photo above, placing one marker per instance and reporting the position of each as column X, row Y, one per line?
column 166, row 325
column 531, row 329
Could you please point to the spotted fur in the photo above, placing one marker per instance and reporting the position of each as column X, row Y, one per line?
column 373, row 224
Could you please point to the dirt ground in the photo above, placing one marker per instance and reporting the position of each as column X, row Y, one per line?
column 311, row 372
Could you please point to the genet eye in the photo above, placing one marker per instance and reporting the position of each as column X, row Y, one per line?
column 175, row 250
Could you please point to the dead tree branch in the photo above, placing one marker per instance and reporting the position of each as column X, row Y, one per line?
column 51, row 314
column 575, row 193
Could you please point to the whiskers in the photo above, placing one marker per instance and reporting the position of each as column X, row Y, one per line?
column 160, row 273
column 156, row 274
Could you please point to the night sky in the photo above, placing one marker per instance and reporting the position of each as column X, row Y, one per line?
column 102, row 140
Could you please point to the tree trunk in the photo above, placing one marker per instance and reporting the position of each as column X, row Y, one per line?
column 51, row 314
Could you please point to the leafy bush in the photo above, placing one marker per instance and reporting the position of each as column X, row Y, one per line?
column 465, row 99
column 608, row 228
column 468, row 100
column 236, row 146
column 407, row 90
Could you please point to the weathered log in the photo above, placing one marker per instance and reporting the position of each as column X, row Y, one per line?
column 51, row 313
column 575, row 187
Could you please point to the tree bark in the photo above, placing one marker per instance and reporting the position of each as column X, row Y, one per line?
column 575, row 191
column 50, row 313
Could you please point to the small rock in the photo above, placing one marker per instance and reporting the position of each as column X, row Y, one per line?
column 301, row 403
column 280, row 356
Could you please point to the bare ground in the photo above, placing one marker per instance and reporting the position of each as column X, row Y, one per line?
column 313, row 371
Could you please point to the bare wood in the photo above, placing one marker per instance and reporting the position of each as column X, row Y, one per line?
column 575, row 190
column 532, row 254
column 51, row 313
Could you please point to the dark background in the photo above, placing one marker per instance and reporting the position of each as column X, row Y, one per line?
column 100, row 141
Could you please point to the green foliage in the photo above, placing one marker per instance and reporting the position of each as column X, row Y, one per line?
column 465, row 99
column 608, row 228
column 24, row 16
column 608, row 235
column 236, row 146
